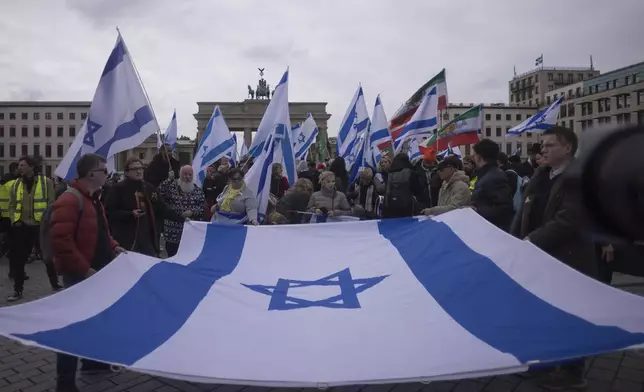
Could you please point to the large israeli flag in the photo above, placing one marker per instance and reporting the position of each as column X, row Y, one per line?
column 303, row 136
column 216, row 142
column 539, row 122
column 119, row 119
column 397, row 300
column 423, row 123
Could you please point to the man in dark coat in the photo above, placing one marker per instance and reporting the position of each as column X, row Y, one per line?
column 135, row 211
column 492, row 194
column 550, row 217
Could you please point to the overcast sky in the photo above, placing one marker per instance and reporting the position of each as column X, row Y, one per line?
column 206, row 50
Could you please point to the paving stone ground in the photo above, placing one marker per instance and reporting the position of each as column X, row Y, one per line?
column 30, row 369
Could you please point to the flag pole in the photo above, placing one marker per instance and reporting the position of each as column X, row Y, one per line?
column 147, row 97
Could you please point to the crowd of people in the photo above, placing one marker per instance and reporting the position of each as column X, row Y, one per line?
column 94, row 218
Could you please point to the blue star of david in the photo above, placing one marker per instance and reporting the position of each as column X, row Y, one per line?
column 205, row 150
column 301, row 137
column 92, row 128
column 350, row 158
column 347, row 299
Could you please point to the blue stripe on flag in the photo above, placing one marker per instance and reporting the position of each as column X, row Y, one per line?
column 141, row 118
column 380, row 134
column 489, row 304
column 431, row 122
column 116, row 57
column 217, row 150
column 154, row 309
column 306, row 145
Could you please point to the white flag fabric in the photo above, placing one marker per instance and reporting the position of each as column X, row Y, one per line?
column 540, row 121
column 380, row 137
column 171, row 132
column 216, row 142
column 119, row 119
column 396, row 300
column 244, row 149
column 303, row 136
column 414, row 152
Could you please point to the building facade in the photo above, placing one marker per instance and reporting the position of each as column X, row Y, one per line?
column 498, row 118
column 531, row 88
column 245, row 116
column 44, row 129
column 616, row 97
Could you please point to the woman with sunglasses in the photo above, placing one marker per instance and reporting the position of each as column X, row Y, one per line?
column 237, row 204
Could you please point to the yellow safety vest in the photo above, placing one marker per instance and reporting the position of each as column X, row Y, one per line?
column 39, row 198
column 473, row 183
column 5, row 190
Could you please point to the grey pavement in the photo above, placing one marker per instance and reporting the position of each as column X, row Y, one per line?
column 29, row 369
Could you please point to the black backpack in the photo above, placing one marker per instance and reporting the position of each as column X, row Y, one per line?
column 398, row 195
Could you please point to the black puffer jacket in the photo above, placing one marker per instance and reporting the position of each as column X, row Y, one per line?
column 492, row 196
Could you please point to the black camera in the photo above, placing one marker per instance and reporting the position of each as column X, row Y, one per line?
column 609, row 171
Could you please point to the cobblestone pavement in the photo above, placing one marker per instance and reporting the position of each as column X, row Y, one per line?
column 33, row 370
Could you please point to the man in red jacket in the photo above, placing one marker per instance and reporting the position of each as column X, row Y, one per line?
column 81, row 245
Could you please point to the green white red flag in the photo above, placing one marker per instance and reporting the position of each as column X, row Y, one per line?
column 463, row 130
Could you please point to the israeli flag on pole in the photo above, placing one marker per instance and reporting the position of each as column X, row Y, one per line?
column 171, row 132
column 414, row 153
column 355, row 160
column 542, row 120
column 216, row 142
column 244, row 149
column 393, row 301
column 273, row 110
column 159, row 141
column 278, row 148
column 451, row 151
column 423, row 123
column 355, row 122
column 120, row 117
column 304, row 136
column 380, row 135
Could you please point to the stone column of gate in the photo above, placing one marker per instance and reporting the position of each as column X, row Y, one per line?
column 248, row 136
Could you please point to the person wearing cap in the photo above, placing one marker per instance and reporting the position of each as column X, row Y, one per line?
column 454, row 193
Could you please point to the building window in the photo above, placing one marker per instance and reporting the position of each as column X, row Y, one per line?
column 523, row 96
column 536, row 78
column 530, row 103
column 60, row 132
column 627, row 101
column 536, row 101
column 1, row 131
column 83, row 116
column 578, row 92
column 511, row 97
column 498, row 117
column 36, row 131
column 12, row 116
column 550, row 77
column 627, row 80
column 25, row 132
column 48, row 131
column 499, row 133
column 2, row 118
column 36, row 116
column 48, row 170
column 59, row 151
column 48, row 116
column 550, row 88
column 536, row 90
column 560, row 77
column 2, row 150
column 488, row 117
column 518, row 117
column 571, row 109
column 508, row 117
column 519, row 146
column 24, row 149
column 563, row 111
column 456, row 115
column 12, row 151
column 548, row 100
column 25, row 116
column 580, row 77
column 36, row 149
column 72, row 116
column 47, row 150
column 528, row 134
column 488, row 132
column 72, row 131
column 529, row 147
column 142, row 155
column 12, row 131
column 640, row 97
column 60, row 116
column 446, row 116
column 508, row 148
